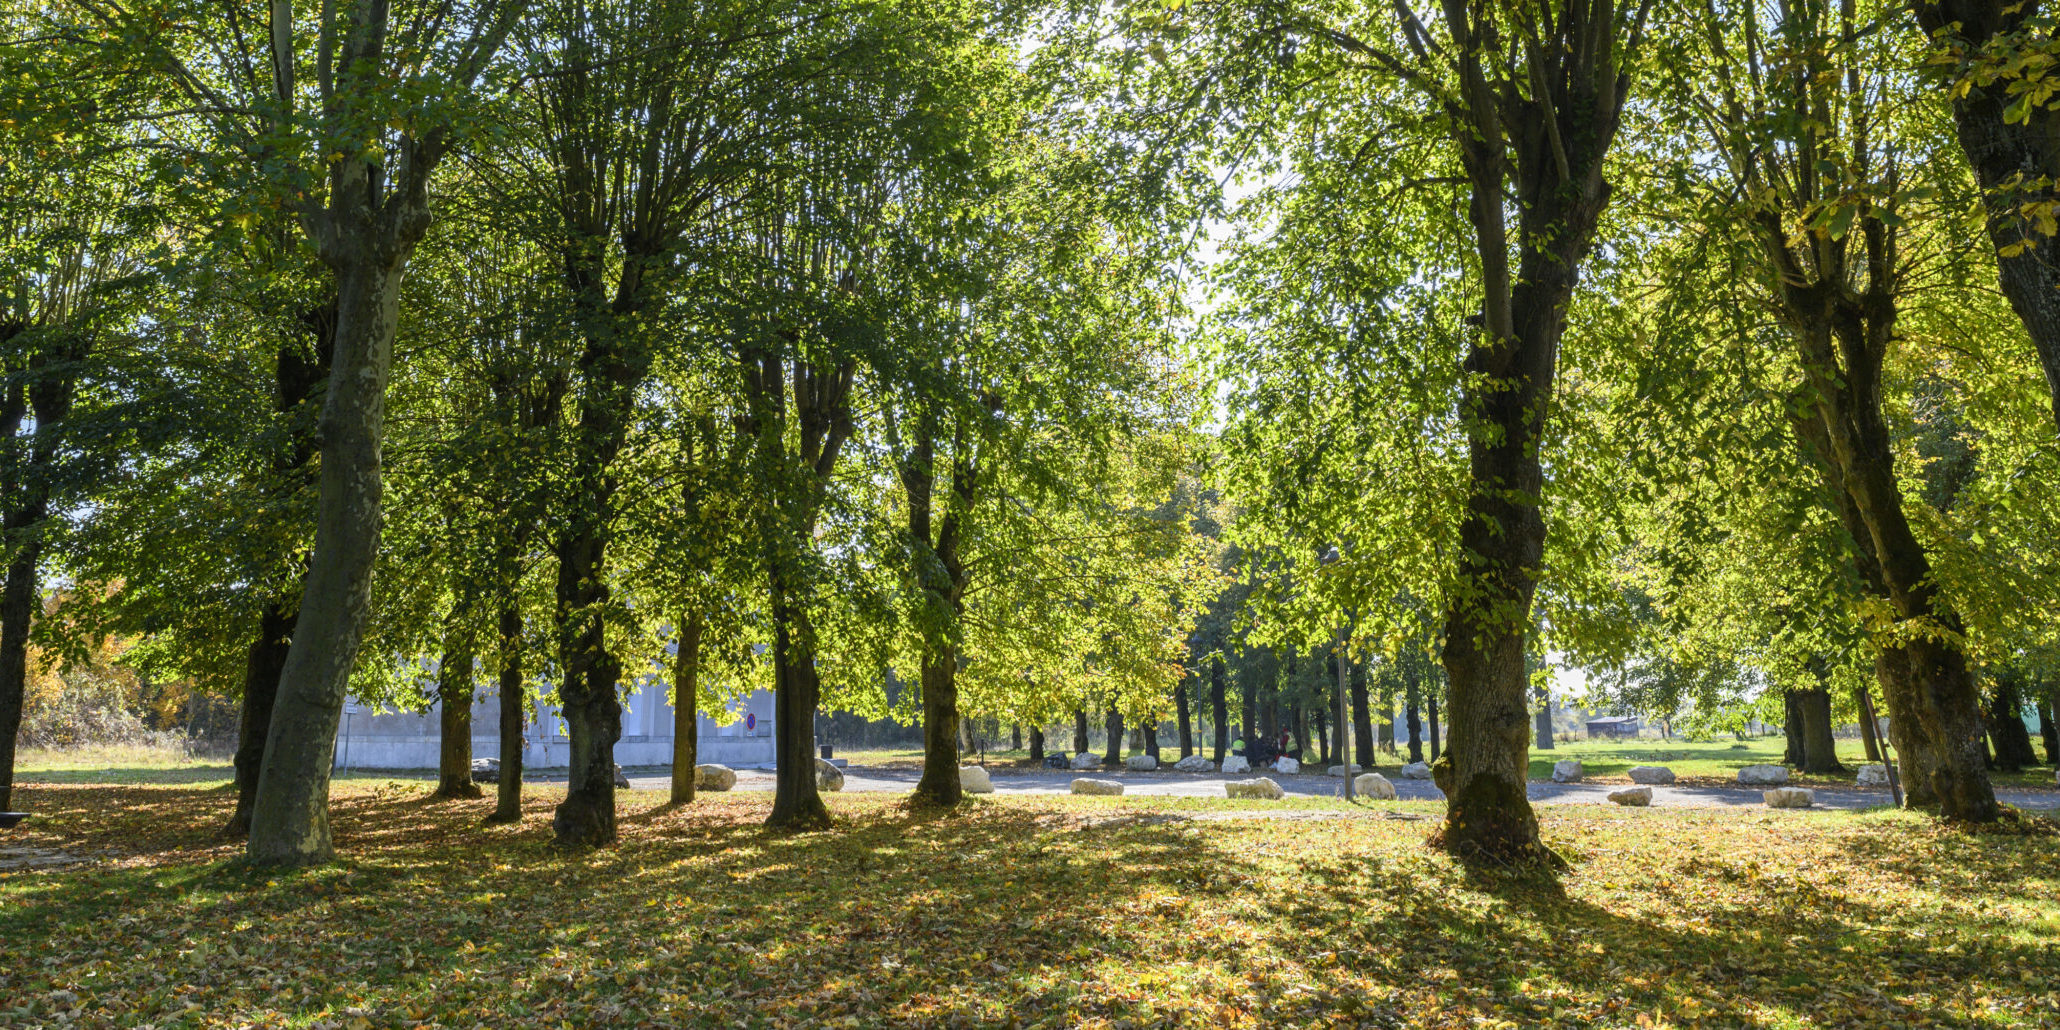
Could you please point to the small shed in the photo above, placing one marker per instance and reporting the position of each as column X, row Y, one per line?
column 1613, row 726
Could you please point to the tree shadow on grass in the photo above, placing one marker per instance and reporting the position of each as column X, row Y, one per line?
column 1005, row 912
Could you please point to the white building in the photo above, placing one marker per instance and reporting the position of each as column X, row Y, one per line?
column 374, row 738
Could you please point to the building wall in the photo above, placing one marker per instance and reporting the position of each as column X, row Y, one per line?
column 373, row 738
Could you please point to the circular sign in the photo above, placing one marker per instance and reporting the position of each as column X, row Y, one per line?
column 751, row 721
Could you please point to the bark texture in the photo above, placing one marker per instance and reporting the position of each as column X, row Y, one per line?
column 686, row 710
column 263, row 663
column 454, row 692
column 2017, row 164
column 1820, row 748
column 508, row 788
column 1362, row 717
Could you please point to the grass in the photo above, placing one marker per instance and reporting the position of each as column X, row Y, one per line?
column 1719, row 760
column 1074, row 912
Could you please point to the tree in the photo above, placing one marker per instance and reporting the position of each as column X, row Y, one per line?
column 1994, row 58
column 1837, row 286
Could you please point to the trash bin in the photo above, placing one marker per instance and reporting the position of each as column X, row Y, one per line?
column 826, row 752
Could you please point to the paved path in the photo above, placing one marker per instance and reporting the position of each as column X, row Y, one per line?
column 1210, row 785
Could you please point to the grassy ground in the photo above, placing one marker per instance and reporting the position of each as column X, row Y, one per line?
column 1711, row 762
column 1035, row 912
column 1718, row 760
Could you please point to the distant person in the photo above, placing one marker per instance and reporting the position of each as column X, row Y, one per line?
column 1237, row 747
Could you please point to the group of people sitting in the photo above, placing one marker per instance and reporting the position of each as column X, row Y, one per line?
column 1261, row 752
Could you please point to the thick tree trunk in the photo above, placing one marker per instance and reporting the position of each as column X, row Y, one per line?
column 289, row 825
column 1912, row 750
column 1820, row 748
column 454, row 715
column 1015, row 736
column 508, row 791
column 1362, row 718
column 1037, row 743
column 1151, row 737
column 939, row 784
column 1112, row 724
column 1792, row 728
column 797, row 802
column 262, row 666
column 1079, row 731
column 588, row 695
column 1869, row 733
column 2006, row 725
column 1218, row 711
column 686, row 709
column 1544, row 721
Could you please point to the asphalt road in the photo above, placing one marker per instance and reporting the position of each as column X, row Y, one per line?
column 1210, row 785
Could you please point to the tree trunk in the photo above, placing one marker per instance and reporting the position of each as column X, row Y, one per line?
column 686, row 709
column 508, row 791
column 1151, row 737
column 2014, row 161
column 1362, row 718
column 939, row 784
column 1437, row 737
column 2006, row 725
column 588, row 695
column 1384, row 724
column 1187, row 736
column 1015, row 736
column 797, row 802
column 289, row 824
column 1820, row 748
column 17, row 609
column 1792, row 728
column 1217, row 709
column 1869, row 733
column 1544, row 726
column 298, row 371
column 1037, row 743
column 1250, row 704
column 2049, row 725
column 1079, row 731
column 1411, row 703
column 454, row 674
column 1113, row 725
column 1912, row 750
column 262, row 665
